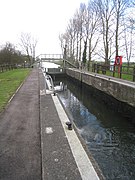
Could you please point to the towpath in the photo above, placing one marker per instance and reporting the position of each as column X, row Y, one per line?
column 34, row 141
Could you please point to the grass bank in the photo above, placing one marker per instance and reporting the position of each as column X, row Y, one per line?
column 9, row 82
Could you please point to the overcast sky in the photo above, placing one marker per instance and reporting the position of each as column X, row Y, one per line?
column 44, row 19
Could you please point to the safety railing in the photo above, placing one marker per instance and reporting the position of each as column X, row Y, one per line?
column 122, row 72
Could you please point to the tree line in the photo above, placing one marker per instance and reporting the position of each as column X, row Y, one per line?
column 9, row 53
column 100, row 30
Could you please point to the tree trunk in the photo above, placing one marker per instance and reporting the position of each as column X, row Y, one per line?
column 77, row 48
column 80, row 48
column 117, row 34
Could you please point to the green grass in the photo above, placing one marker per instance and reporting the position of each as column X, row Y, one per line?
column 127, row 72
column 124, row 76
column 9, row 82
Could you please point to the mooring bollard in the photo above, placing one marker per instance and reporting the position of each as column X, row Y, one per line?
column 69, row 124
column 54, row 93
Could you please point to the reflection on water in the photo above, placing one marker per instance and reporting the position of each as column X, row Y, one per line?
column 108, row 135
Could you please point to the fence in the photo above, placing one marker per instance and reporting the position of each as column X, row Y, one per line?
column 8, row 67
column 122, row 72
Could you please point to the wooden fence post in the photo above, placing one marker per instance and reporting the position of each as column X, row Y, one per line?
column 97, row 66
column 120, row 72
column 114, row 71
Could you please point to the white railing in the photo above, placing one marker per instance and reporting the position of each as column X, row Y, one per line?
column 43, row 57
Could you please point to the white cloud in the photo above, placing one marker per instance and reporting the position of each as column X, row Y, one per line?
column 44, row 19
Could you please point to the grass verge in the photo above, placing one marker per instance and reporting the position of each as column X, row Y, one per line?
column 127, row 77
column 9, row 82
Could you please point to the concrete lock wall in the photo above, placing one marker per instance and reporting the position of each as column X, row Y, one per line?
column 117, row 88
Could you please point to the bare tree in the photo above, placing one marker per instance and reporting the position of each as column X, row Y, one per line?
column 76, row 25
column 92, row 27
column 71, row 34
column 64, row 40
column 28, row 43
column 129, row 33
column 74, row 34
column 62, row 44
column 98, row 30
column 120, row 8
column 81, row 20
column 106, row 10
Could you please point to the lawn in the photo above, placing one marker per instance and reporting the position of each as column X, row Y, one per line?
column 9, row 82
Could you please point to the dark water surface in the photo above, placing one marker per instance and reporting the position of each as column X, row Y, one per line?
column 109, row 135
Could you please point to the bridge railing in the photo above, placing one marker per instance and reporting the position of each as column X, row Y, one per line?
column 50, row 56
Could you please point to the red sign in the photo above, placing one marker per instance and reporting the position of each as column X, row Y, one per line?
column 118, row 61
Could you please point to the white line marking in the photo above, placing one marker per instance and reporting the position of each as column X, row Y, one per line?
column 84, row 164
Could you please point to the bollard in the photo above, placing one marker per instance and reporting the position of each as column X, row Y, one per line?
column 54, row 93
column 69, row 124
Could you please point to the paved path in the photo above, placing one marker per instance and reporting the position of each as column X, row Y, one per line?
column 33, row 139
column 20, row 152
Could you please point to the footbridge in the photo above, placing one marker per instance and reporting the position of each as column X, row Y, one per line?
column 55, row 58
column 50, row 57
